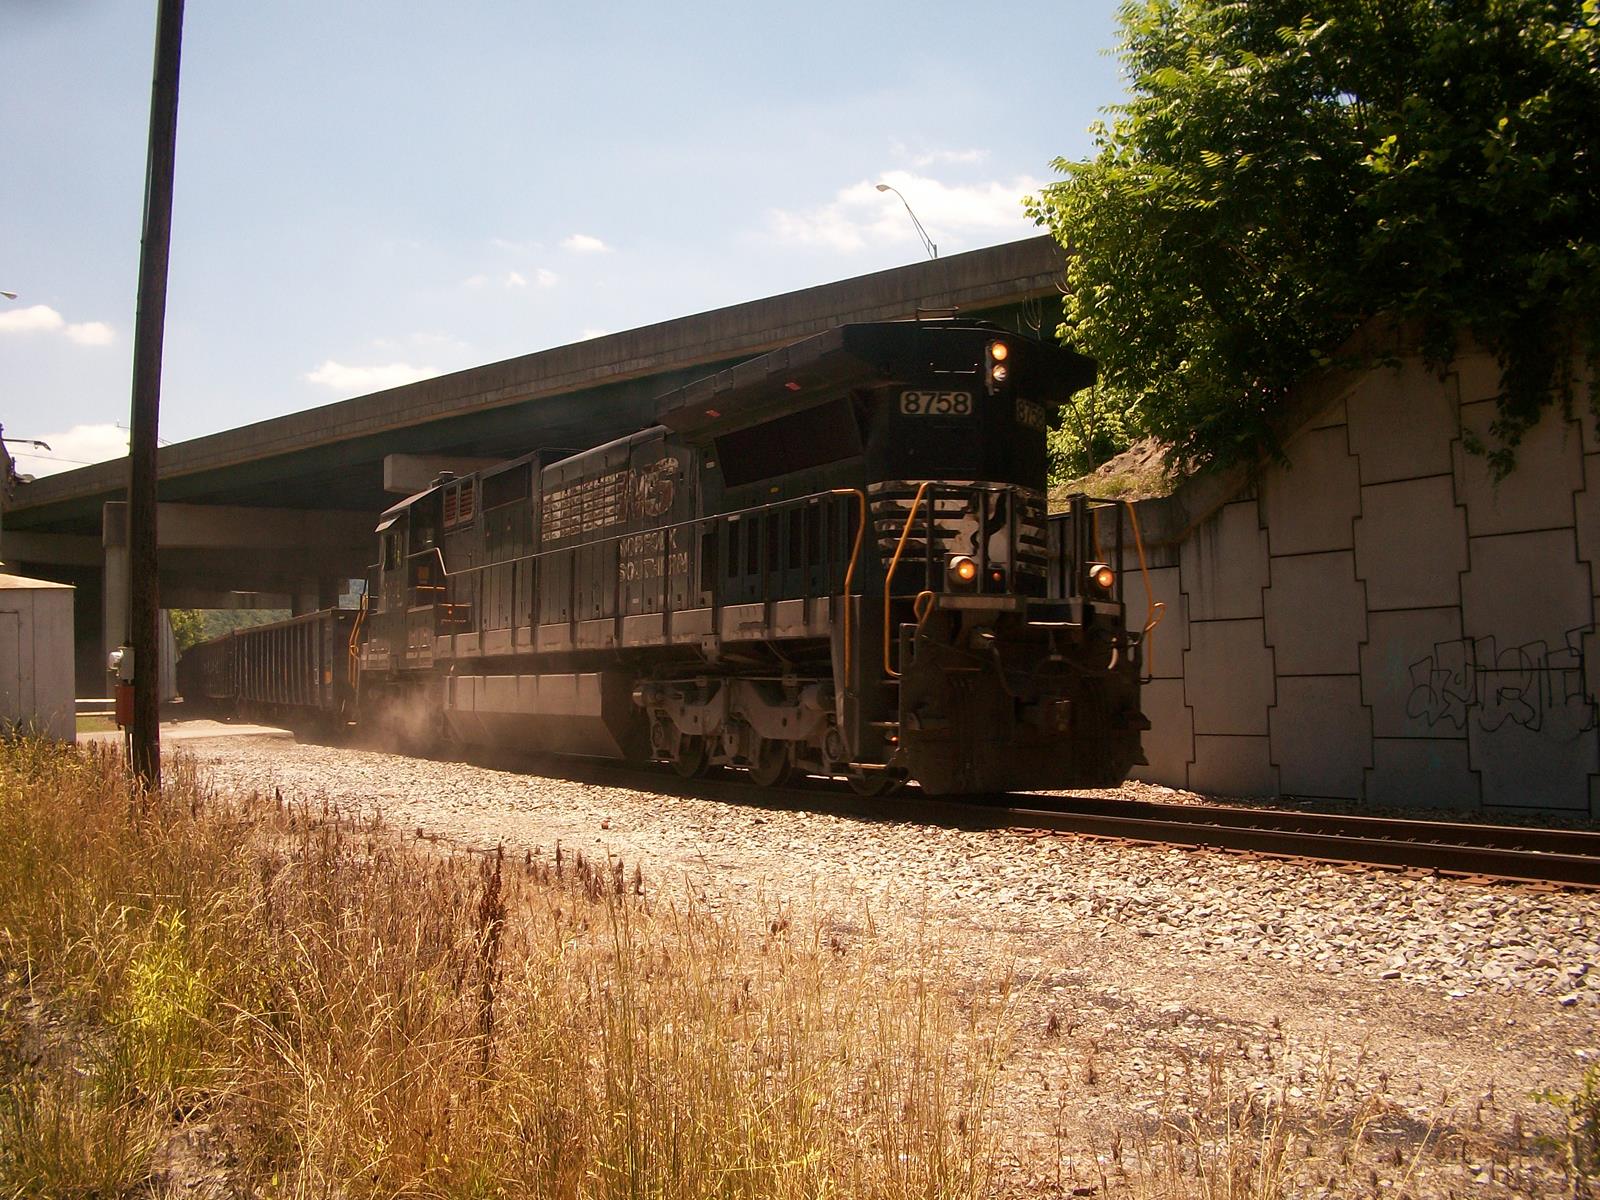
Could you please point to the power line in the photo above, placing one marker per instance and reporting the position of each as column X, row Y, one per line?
column 76, row 462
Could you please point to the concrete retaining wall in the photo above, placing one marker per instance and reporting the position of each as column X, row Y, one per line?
column 1377, row 620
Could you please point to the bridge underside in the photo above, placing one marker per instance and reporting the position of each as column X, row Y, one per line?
column 232, row 526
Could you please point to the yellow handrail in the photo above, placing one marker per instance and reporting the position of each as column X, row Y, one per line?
column 888, row 577
column 850, row 571
column 1154, row 609
column 361, row 615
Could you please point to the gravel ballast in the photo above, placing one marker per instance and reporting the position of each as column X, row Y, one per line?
column 1440, row 1005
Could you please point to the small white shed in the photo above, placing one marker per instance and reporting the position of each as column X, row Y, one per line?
column 36, row 682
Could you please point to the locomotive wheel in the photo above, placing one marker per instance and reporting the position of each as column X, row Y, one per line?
column 691, row 761
column 773, row 766
column 876, row 784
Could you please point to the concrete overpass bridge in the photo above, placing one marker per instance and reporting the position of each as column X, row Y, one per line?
column 276, row 513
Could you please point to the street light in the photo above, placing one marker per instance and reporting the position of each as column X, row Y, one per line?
column 927, row 242
column 9, row 295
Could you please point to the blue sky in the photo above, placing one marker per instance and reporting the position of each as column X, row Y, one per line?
column 371, row 192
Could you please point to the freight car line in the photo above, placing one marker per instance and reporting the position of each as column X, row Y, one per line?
column 833, row 559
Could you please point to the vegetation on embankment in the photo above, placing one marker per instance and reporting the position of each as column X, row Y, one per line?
column 351, row 1016
column 1282, row 171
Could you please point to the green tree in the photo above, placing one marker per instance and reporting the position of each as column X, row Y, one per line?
column 1285, row 169
column 219, row 621
column 188, row 627
column 191, row 626
column 1092, row 428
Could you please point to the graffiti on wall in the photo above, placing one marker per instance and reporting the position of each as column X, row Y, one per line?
column 1534, row 686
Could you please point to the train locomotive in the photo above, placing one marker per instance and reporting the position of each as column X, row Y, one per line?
column 832, row 559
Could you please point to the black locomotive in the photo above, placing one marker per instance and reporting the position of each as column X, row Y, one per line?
column 833, row 559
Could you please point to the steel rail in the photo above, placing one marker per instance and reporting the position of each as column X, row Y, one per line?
column 1512, row 853
column 1382, row 843
column 1518, row 854
column 1352, row 825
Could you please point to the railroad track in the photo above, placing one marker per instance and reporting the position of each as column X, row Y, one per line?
column 1565, row 858
column 1511, row 853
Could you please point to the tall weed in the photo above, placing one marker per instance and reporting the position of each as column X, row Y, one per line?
column 365, row 1017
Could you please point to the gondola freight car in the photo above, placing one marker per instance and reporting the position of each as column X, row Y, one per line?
column 284, row 669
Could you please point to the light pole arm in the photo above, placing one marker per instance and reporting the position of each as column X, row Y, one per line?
column 927, row 242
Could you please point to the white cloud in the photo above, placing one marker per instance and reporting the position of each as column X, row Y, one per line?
column 542, row 277
column 447, row 342
column 583, row 243
column 72, row 448
column 585, row 334
column 92, row 333
column 41, row 318
column 950, row 156
column 359, row 380
column 953, row 214
column 927, row 158
column 513, row 280
column 38, row 318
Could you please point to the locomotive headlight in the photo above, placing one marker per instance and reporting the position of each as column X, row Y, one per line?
column 998, row 371
column 1102, row 577
column 963, row 570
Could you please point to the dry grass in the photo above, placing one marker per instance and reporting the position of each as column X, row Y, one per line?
column 1140, row 472
column 351, row 1015
column 1212, row 1126
column 367, row 1018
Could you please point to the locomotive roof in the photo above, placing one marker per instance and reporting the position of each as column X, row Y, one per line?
column 538, row 458
column 806, row 372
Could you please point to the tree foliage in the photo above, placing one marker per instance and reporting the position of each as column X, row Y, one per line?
column 1285, row 169
column 191, row 626
column 188, row 627
column 1092, row 428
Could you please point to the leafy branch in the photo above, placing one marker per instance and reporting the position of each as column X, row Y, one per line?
column 1284, row 170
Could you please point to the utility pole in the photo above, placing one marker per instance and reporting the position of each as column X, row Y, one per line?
column 144, row 600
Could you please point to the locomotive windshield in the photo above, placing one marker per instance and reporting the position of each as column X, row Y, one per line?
column 812, row 437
